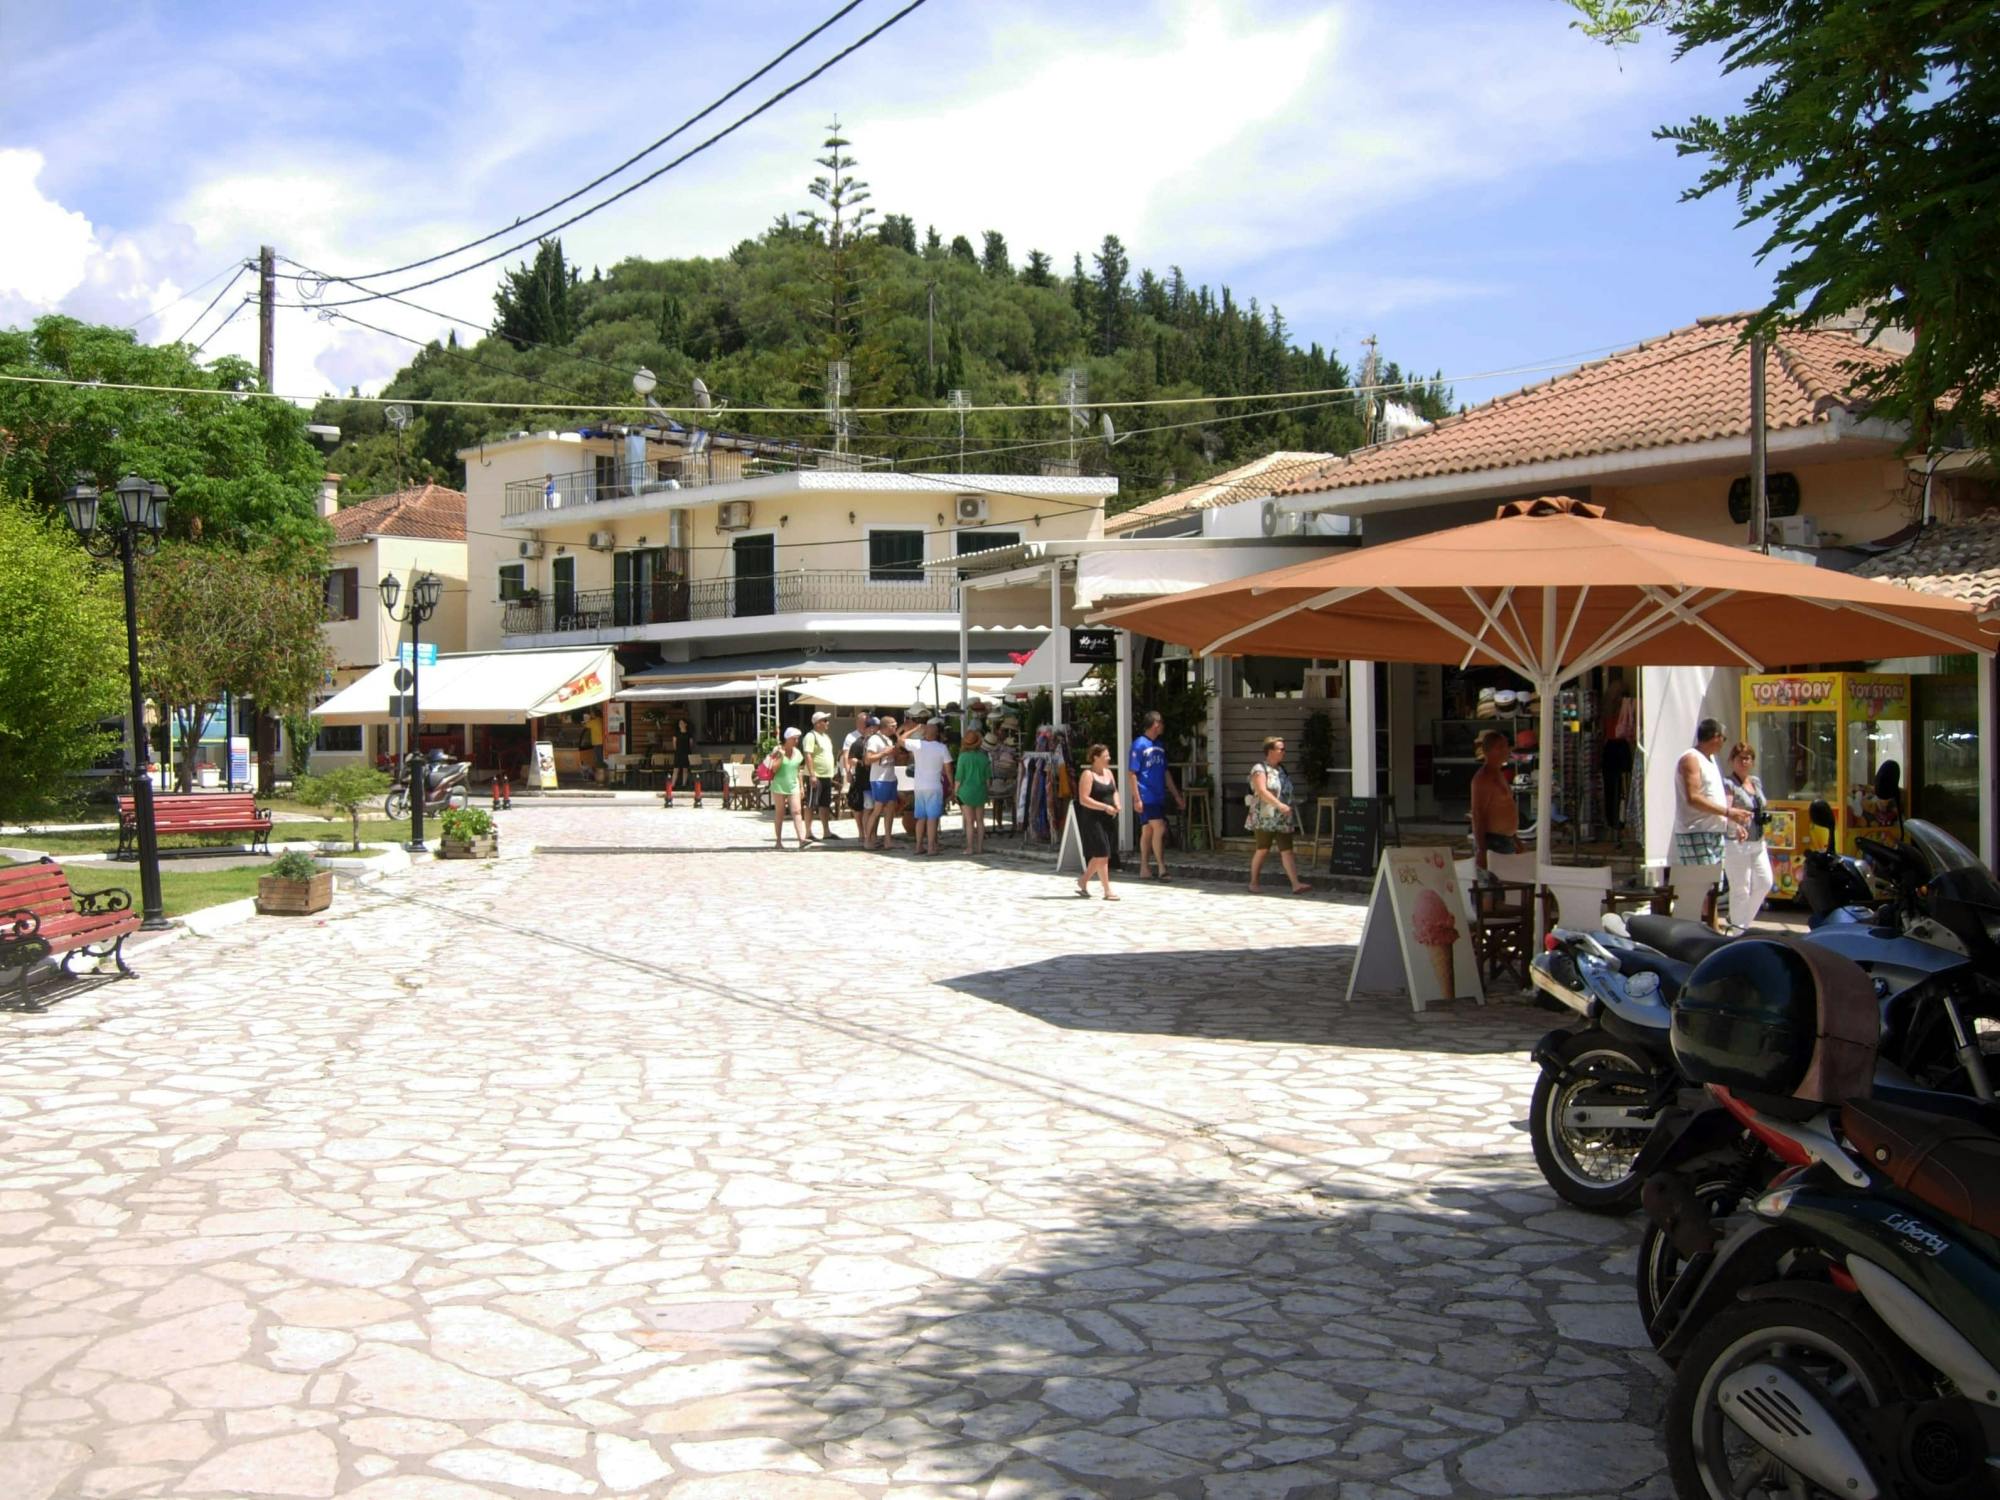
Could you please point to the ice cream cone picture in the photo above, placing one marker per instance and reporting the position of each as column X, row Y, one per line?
column 1433, row 929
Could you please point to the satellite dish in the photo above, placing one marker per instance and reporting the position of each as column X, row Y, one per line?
column 702, row 398
column 397, row 415
column 1104, row 425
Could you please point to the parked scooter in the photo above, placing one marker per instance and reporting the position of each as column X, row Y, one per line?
column 445, row 785
column 1611, row 1108
column 1846, row 1340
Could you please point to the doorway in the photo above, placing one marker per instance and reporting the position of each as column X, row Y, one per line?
column 756, row 559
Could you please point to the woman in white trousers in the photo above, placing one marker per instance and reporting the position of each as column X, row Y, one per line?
column 1744, row 854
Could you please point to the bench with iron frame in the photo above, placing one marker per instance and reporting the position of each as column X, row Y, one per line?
column 41, row 916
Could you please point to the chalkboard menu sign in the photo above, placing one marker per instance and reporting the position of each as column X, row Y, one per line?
column 1357, row 836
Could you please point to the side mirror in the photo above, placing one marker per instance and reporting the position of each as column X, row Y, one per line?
column 1820, row 814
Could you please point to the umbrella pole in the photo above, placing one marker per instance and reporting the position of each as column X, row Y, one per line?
column 1545, row 739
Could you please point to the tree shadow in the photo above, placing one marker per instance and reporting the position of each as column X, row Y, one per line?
column 1299, row 996
column 1171, row 1335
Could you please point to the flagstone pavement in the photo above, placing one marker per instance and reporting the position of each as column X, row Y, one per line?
column 703, row 1170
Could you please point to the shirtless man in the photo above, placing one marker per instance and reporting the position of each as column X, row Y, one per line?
column 1496, row 819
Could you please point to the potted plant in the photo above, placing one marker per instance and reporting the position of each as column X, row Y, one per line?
column 297, row 886
column 468, row 834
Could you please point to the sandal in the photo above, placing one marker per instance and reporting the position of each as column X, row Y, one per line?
column 1084, row 892
column 1109, row 897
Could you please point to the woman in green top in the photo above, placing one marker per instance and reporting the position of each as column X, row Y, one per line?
column 786, row 761
column 975, row 769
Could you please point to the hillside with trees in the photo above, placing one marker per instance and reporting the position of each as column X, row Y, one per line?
column 917, row 315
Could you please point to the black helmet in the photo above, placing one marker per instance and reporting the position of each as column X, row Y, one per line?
column 1777, row 1018
column 436, row 755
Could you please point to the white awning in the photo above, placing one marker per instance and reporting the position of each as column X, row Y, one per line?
column 484, row 687
column 895, row 687
column 1104, row 576
column 1051, row 657
column 739, row 687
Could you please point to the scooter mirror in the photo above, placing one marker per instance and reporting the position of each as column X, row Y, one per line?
column 1820, row 814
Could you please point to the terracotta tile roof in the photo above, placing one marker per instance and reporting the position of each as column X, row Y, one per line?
column 1685, row 387
column 1251, row 481
column 1958, row 559
column 429, row 510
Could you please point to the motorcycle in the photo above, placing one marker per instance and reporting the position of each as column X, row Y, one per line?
column 1846, row 1340
column 1610, row 1108
column 445, row 783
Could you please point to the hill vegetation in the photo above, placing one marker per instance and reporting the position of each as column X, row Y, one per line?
column 916, row 315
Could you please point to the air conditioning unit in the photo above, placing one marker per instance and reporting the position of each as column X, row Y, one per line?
column 603, row 541
column 1795, row 531
column 531, row 550
column 972, row 510
column 1279, row 522
column 732, row 515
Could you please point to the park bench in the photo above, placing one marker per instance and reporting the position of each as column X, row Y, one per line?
column 40, row 916
column 197, row 812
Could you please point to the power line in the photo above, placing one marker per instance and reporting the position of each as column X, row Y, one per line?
column 211, row 303
column 684, row 126
column 193, row 291
column 222, row 325
column 656, row 173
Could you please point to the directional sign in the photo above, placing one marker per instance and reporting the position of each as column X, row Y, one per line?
column 426, row 655
column 403, row 679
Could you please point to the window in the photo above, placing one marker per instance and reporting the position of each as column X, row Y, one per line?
column 895, row 555
column 513, row 581
column 343, row 594
column 339, row 738
column 982, row 540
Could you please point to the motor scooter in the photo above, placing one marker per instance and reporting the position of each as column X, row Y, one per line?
column 445, row 784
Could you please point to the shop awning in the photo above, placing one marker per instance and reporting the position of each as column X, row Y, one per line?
column 484, row 687
column 896, row 687
column 739, row 687
column 1051, row 660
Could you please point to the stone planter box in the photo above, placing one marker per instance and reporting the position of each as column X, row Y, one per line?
column 485, row 846
column 277, row 897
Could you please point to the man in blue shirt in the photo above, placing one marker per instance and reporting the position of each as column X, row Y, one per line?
column 1151, row 787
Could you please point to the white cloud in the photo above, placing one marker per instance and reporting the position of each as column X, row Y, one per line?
column 46, row 248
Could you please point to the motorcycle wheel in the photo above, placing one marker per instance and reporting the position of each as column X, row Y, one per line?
column 1589, row 1167
column 1660, row 1263
column 1855, row 1363
column 396, row 806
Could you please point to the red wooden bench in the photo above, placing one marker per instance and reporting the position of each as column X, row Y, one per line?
column 197, row 812
column 40, row 916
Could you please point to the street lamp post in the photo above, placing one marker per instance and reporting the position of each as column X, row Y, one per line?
column 425, row 591
column 142, row 514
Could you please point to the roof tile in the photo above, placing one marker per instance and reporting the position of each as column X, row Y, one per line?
column 1251, row 481
column 1687, row 386
column 429, row 511
column 1959, row 559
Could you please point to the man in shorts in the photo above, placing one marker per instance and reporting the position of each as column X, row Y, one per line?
column 1152, row 786
column 851, row 767
column 821, row 775
column 878, row 759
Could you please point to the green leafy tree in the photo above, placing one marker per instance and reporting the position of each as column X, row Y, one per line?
column 962, row 251
column 301, row 730
column 536, row 302
column 215, row 621
column 62, row 642
column 1864, row 151
column 241, row 470
column 350, row 791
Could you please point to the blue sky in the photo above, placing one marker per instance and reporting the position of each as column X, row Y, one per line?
column 1471, row 181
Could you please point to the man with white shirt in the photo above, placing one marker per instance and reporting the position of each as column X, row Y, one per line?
column 930, row 764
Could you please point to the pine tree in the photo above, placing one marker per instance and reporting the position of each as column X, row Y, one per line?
column 898, row 231
column 1080, row 295
column 993, row 259
column 844, row 220
column 1037, row 271
column 933, row 244
column 961, row 249
column 534, row 304
column 1109, row 302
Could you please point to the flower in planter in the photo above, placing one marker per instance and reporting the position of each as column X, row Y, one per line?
column 464, row 824
column 295, row 864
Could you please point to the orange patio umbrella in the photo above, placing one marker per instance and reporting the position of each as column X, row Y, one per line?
column 1550, row 589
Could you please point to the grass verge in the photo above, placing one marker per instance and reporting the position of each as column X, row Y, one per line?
column 181, row 891
column 379, row 830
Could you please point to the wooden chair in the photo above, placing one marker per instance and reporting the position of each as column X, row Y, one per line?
column 1322, row 826
column 739, row 786
column 1198, row 813
column 1502, row 914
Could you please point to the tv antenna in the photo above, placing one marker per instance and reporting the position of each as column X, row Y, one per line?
column 397, row 415
column 1369, row 371
column 959, row 400
column 1075, row 389
column 836, row 403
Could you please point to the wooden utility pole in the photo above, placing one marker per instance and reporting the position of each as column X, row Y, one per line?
column 267, row 303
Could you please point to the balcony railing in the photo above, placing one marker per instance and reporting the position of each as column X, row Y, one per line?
column 676, row 601
column 614, row 480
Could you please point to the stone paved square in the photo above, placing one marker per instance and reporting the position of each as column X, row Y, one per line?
column 708, row 1171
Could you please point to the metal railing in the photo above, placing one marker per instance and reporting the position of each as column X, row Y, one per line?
column 613, row 480
column 677, row 601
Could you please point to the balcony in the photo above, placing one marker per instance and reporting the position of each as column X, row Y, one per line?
column 611, row 479
column 678, row 602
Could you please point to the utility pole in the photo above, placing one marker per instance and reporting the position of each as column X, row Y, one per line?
column 267, row 304
column 1368, row 376
column 1760, row 502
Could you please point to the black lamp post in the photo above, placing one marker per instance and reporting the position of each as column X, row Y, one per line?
column 425, row 592
column 133, row 534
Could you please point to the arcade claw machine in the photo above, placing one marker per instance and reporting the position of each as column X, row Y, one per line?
column 1828, row 734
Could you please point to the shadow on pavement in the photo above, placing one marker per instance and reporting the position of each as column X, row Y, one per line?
column 1168, row 1337
column 1278, row 994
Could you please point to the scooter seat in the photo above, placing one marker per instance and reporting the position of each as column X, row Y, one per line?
column 1690, row 942
column 1951, row 1164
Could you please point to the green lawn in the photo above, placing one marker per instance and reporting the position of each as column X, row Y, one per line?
column 379, row 830
column 181, row 891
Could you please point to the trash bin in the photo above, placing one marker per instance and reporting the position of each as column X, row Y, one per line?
column 208, row 778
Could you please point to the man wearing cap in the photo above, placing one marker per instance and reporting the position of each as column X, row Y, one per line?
column 820, row 772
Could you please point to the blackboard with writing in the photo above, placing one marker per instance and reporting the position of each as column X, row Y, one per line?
column 1357, row 836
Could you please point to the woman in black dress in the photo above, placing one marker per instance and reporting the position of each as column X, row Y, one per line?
column 1097, row 819
column 683, row 743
